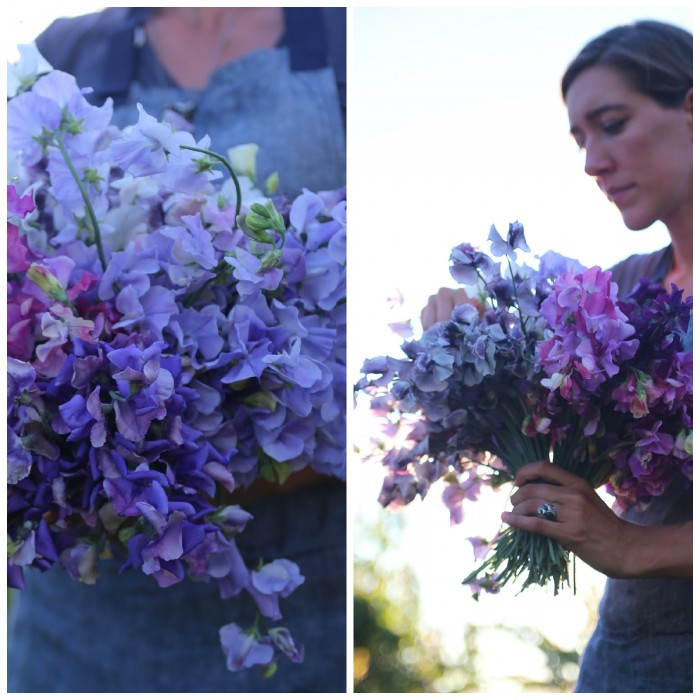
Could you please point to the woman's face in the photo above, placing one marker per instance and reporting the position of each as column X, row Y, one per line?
column 639, row 152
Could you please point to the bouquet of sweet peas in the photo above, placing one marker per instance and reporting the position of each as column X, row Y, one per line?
column 173, row 336
column 545, row 364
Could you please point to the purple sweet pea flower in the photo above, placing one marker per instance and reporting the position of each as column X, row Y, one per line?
column 516, row 240
column 305, row 208
column 80, row 561
column 246, row 269
column 468, row 264
column 273, row 581
column 63, row 89
column 29, row 115
column 19, row 206
column 192, row 244
column 229, row 568
column 143, row 148
column 655, row 441
column 455, row 493
column 243, row 650
column 20, row 378
column 283, row 642
column 19, row 458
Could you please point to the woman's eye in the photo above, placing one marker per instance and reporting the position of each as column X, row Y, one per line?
column 614, row 127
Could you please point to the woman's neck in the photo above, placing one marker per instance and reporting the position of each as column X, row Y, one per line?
column 192, row 42
column 681, row 272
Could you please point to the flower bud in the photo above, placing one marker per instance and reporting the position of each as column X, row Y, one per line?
column 47, row 282
column 243, row 159
column 272, row 183
column 270, row 260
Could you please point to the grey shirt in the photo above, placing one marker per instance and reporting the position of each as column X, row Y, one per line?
column 643, row 641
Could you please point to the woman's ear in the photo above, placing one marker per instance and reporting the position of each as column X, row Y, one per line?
column 688, row 101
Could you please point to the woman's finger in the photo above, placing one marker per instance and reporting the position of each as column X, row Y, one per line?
column 538, row 492
column 546, row 471
column 531, row 506
column 535, row 524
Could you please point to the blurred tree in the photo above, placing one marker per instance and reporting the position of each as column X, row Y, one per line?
column 393, row 652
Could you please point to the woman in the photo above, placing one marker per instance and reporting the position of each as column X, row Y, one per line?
column 272, row 76
column 629, row 97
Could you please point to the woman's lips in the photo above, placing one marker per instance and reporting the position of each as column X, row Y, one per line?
column 616, row 194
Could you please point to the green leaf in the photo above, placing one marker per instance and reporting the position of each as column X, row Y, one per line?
column 274, row 471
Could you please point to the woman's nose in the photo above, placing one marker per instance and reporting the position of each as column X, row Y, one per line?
column 598, row 160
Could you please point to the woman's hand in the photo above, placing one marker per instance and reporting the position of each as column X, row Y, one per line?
column 588, row 527
column 440, row 305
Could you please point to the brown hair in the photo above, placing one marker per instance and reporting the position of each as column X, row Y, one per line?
column 655, row 58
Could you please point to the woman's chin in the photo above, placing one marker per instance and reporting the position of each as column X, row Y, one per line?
column 636, row 221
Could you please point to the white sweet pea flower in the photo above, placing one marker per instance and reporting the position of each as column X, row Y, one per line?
column 29, row 67
column 250, row 194
column 243, row 158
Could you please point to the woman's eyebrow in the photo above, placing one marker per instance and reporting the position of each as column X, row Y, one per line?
column 597, row 112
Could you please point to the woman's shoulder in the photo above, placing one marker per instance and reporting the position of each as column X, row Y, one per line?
column 67, row 39
column 628, row 272
column 96, row 48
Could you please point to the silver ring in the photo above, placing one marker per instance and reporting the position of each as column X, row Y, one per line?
column 547, row 511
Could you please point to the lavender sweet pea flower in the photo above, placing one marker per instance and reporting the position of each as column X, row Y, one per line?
column 243, row 650
column 20, row 378
column 76, row 417
column 324, row 283
column 143, row 148
column 19, row 459
column 153, row 310
column 246, row 268
column 63, row 185
column 63, row 89
column 228, row 567
column 80, row 561
column 29, row 116
column 295, row 368
column 399, row 488
column 250, row 343
column 191, row 243
column 468, row 264
column 283, row 641
column 197, row 333
column 273, row 581
column 305, row 209
column 24, row 73
column 516, row 239
column 455, row 493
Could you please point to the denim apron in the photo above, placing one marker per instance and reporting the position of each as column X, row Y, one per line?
column 124, row 634
column 293, row 116
column 643, row 642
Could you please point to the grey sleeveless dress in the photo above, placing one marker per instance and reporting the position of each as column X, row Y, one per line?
column 643, row 642
column 124, row 634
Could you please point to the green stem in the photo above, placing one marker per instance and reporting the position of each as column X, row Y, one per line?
column 489, row 297
column 86, row 200
column 229, row 167
column 515, row 296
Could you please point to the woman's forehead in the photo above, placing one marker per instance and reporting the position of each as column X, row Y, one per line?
column 597, row 90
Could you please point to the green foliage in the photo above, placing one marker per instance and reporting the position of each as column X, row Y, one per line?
column 395, row 653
